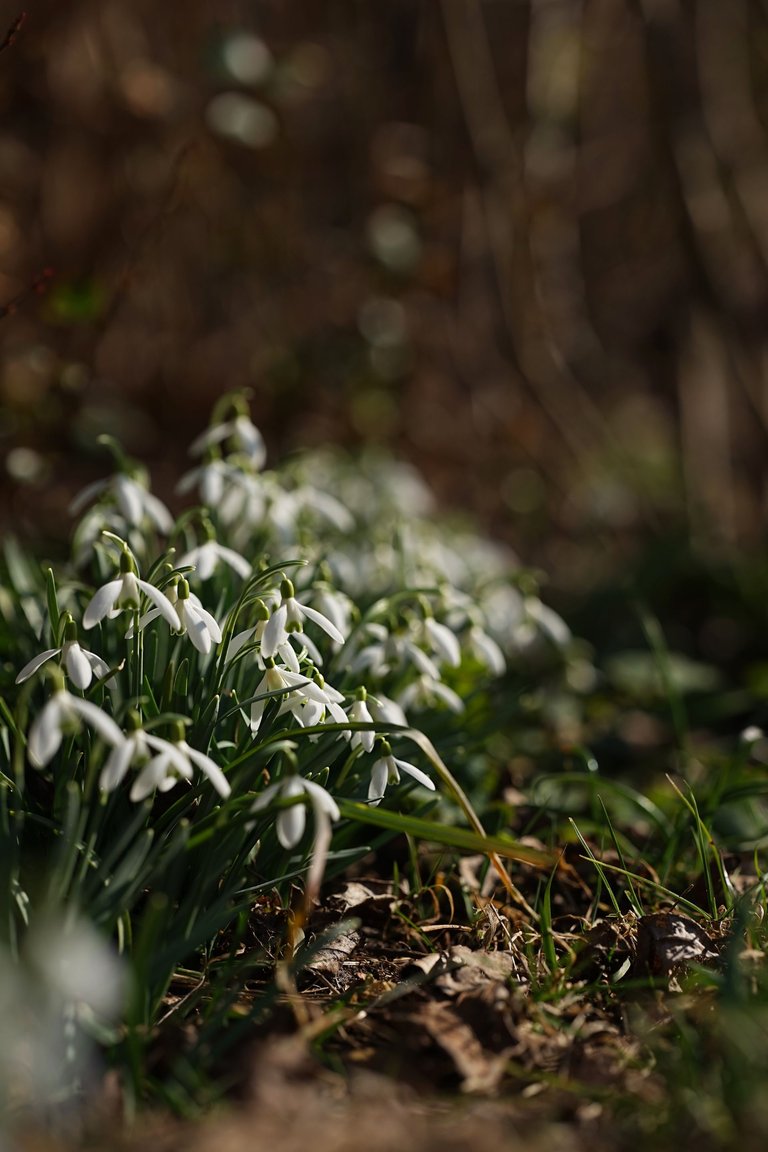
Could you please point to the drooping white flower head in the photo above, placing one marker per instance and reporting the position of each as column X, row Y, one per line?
column 486, row 651
column 289, row 617
column 424, row 692
column 125, row 592
column 359, row 714
column 194, row 620
column 298, row 691
column 79, row 663
column 206, row 557
column 134, row 501
column 244, row 436
column 387, row 769
column 291, row 820
column 172, row 761
column 63, row 711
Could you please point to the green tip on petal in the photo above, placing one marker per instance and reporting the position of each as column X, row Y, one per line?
column 127, row 562
column 177, row 731
column 133, row 720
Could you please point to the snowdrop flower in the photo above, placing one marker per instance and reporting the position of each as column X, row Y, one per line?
column 243, row 434
column 137, row 748
column 206, row 558
column 323, row 505
column 291, row 821
column 335, row 606
column 387, row 711
column 232, row 493
column 80, row 664
column 125, row 592
column 359, row 714
column 172, row 762
column 298, row 689
column 442, row 641
column 194, row 620
column 486, row 651
column 284, row 651
column 135, row 503
column 62, row 711
column 289, row 617
column 425, row 692
column 387, row 770
column 548, row 621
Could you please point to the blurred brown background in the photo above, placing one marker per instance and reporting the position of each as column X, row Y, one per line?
column 524, row 242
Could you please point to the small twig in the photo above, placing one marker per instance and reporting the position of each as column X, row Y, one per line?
column 38, row 286
column 13, row 31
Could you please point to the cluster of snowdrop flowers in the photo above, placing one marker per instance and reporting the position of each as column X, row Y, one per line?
column 205, row 651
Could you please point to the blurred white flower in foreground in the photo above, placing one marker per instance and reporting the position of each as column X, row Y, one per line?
column 67, row 976
column 62, row 712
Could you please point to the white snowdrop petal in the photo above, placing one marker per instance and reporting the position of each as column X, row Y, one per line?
column 78, row 667
column 149, row 778
column 116, row 766
column 194, row 625
column 290, row 825
column 86, row 495
column 35, row 663
column 289, row 656
column 379, row 781
column 45, row 733
column 416, row 773
column 264, row 799
column 274, row 633
column 210, row 436
column 158, row 512
column 237, row 562
column 322, row 800
column 488, row 651
column 209, row 769
column 128, row 496
column 102, row 603
column 450, row 698
column 162, row 603
column 103, row 724
column 323, row 622
column 209, row 621
column 445, row 643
